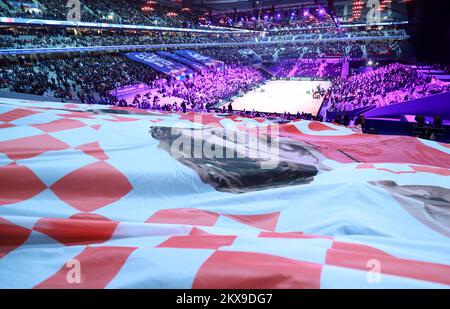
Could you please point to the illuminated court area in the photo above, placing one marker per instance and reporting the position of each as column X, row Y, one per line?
column 283, row 96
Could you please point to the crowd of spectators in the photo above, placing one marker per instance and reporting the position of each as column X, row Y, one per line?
column 388, row 49
column 202, row 92
column 332, row 33
column 32, row 37
column 390, row 84
column 90, row 78
column 86, row 79
column 42, row 37
column 113, row 11
column 314, row 68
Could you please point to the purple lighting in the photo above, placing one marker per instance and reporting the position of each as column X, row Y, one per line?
column 322, row 11
column 306, row 13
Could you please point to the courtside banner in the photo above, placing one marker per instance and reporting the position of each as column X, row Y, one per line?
column 160, row 64
column 127, row 90
column 195, row 65
column 191, row 55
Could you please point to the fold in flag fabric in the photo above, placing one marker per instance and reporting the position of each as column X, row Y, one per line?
column 104, row 197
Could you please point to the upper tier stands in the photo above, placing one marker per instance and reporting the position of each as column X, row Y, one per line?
column 117, row 11
column 357, row 44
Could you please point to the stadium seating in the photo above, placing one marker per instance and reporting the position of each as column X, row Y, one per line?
column 391, row 84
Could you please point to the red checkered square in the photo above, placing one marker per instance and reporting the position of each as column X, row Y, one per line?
column 92, row 187
column 247, row 270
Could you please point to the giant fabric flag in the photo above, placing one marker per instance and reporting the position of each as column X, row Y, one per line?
column 101, row 197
